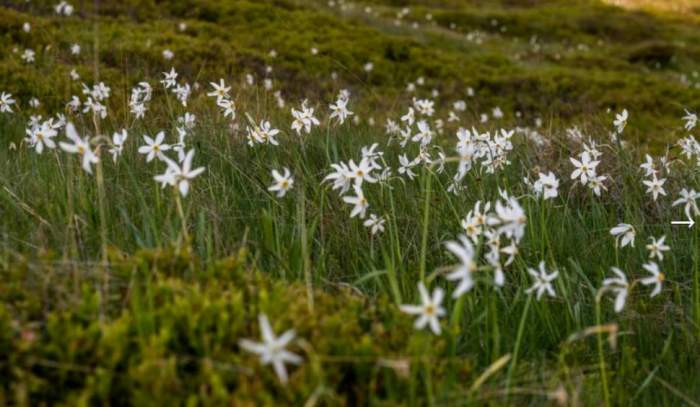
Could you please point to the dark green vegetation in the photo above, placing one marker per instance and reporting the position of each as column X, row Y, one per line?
column 159, row 321
column 562, row 59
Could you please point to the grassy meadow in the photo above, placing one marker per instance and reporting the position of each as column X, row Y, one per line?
column 520, row 161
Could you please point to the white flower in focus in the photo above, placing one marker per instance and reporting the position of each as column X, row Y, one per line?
column 585, row 168
column 154, row 147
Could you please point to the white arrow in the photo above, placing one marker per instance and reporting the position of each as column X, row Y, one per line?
column 688, row 222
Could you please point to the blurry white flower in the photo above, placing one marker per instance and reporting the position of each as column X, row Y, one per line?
column 543, row 281
column 168, row 54
column 6, row 102
column 117, row 147
column 691, row 120
column 375, row 224
column 655, row 186
column 179, row 175
column 621, row 121
column 340, row 111
column 220, row 92
column 359, row 201
column 624, row 235
column 656, row 279
column 42, row 136
column 303, row 119
column 688, row 198
column 463, row 250
column 283, row 182
column 272, row 349
column 619, row 286
column 80, row 147
column 28, row 56
column 429, row 311
column 657, row 247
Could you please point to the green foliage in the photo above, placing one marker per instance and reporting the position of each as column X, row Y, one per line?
column 167, row 333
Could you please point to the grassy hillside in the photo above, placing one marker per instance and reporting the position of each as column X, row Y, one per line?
column 115, row 289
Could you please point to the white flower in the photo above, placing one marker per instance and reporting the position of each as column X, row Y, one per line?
column 6, row 102
column 619, row 286
column 464, row 251
column 657, row 277
column 42, row 136
column 585, row 168
column 362, row 172
column 425, row 134
column 648, row 166
column 28, row 56
column 655, row 186
column 406, row 165
column 624, row 235
column 154, row 148
column 263, row 134
column 272, row 350
column 283, row 182
column 228, row 106
column 688, row 199
column 75, row 49
column 543, row 281
column 117, row 148
column 546, row 186
column 621, row 121
column 595, row 184
column 340, row 111
column 179, row 176
column 168, row 54
column 81, row 147
column 304, row 119
column 220, row 92
column 169, row 79
column 360, row 202
column 341, row 177
column 510, row 219
column 691, row 120
column 657, row 247
column 375, row 224
column 430, row 310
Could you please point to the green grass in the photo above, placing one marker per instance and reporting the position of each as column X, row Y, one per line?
column 118, row 305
